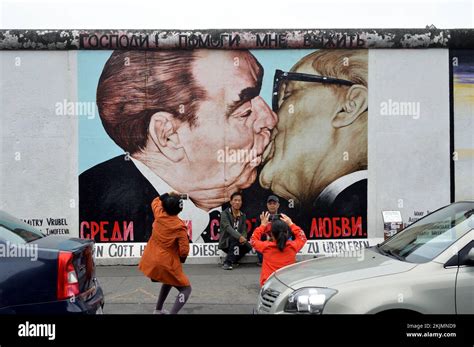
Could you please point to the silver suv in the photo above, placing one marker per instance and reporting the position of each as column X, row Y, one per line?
column 427, row 268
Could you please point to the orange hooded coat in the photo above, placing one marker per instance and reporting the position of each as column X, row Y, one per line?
column 169, row 241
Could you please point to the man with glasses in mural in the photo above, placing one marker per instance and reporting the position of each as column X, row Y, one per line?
column 318, row 153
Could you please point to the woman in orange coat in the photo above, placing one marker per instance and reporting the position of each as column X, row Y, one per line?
column 279, row 251
column 167, row 248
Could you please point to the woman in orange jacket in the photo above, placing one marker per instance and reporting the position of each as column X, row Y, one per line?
column 167, row 248
column 279, row 251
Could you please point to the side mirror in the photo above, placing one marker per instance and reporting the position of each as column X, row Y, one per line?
column 470, row 256
column 464, row 257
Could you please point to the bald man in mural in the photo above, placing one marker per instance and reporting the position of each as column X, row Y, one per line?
column 318, row 154
column 188, row 121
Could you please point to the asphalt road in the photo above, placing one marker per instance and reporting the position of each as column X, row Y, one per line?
column 214, row 290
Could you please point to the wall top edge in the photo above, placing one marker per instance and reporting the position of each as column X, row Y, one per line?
column 128, row 39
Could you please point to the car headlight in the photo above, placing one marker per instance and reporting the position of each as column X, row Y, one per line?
column 309, row 300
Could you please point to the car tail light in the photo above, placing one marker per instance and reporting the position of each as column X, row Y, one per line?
column 68, row 285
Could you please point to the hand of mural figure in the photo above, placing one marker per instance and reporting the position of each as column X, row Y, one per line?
column 286, row 219
column 242, row 239
column 264, row 218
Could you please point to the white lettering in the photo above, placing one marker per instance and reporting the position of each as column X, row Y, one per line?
column 37, row 330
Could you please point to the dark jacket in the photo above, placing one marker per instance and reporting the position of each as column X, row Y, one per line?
column 116, row 191
column 227, row 228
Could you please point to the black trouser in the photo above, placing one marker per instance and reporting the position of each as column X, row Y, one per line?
column 236, row 251
column 181, row 299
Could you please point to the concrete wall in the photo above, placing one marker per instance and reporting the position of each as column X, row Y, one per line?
column 50, row 135
column 409, row 153
column 38, row 147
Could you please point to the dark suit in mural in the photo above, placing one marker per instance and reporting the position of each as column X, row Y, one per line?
column 116, row 194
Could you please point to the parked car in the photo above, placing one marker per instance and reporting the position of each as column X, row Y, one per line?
column 42, row 274
column 427, row 268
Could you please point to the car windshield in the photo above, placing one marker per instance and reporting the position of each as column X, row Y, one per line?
column 15, row 231
column 428, row 237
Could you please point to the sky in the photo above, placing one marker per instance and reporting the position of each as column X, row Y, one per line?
column 241, row 14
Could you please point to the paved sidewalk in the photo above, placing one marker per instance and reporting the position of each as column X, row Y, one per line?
column 215, row 291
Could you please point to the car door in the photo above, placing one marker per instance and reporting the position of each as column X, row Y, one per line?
column 465, row 281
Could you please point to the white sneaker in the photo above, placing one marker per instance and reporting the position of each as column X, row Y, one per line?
column 163, row 311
